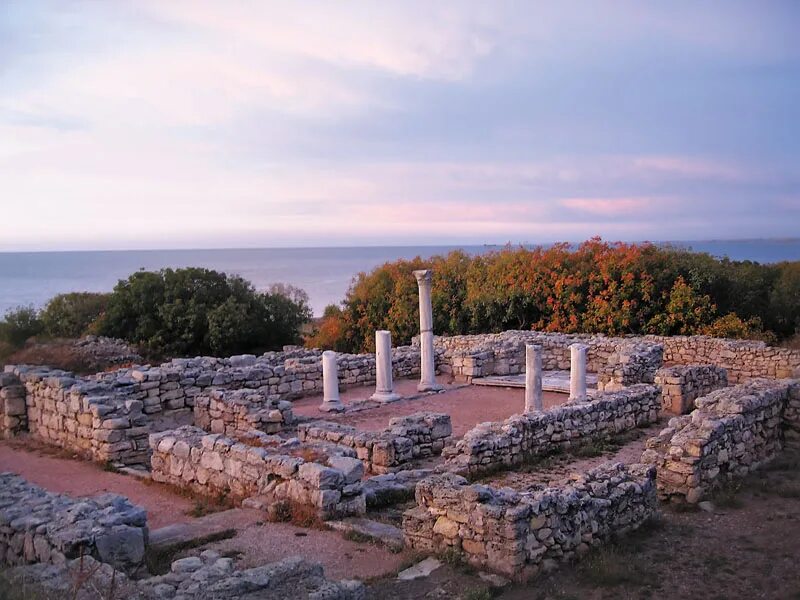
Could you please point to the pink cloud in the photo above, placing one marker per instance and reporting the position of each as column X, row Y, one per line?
column 607, row 206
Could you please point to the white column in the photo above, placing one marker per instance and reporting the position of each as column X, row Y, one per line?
column 384, row 388
column 533, row 378
column 330, row 383
column 577, row 372
column 427, row 378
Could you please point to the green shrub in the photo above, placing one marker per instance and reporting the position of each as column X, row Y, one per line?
column 71, row 315
column 198, row 311
column 20, row 324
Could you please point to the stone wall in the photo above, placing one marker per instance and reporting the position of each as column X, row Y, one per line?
column 681, row 385
column 39, row 526
column 520, row 438
column 468, row 356
column 175, row 385
column 618, row 362
column 408, row 438
column 237, row 412
column 733, row 431
column 518, row 534
column 13, row 412
column 742, row 359
column 210, row 464
column 103, row 421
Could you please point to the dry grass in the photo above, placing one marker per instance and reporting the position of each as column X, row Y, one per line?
column 300, row 515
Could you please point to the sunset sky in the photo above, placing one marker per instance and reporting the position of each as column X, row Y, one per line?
column 171, row 123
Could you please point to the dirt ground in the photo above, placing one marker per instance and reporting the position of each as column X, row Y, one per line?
column 466, row 405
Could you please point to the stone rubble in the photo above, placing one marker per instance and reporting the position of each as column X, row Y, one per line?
column 40, row 526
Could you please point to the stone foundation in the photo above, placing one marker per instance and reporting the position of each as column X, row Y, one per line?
column 520, row 438
column 237, row 412
column 519, row 534
column 732, row 432
column 407, row 438
column 39, row 526
column 680, row 386
column 211, row 464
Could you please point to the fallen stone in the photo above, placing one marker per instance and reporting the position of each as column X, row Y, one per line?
column 421, row 569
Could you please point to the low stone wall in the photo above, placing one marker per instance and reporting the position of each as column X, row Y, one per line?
column 518, row 534
column 405, row 439
column 39, row 526
column 285, row 375
column 210, row 464
column 742, row 359
column 102, row 421
column 612, row 358
column 520, row 438
column 13, row 412
column 733, row 431
column 237, row 412
column 618, row 362
column 680, row 386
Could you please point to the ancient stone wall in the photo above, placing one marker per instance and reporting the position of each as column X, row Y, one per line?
column 518, row 534
column 13, row 412
column 103, row 421
column 520, row 438
column 39, row 526
column 467, row 356
column 211, row 464
column 742, row 359
column 681, row 385
column 237, row 412
column 731, row 432
column 405, row 439
column 618, row 362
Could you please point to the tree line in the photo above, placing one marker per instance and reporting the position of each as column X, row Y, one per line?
column 611, row 288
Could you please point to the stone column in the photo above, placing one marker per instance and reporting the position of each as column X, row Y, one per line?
column 330, row 383
column 577, row 372
column 533, row 378
column 384, row 388
column 427, row 378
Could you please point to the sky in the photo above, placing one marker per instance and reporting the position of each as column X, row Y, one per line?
column 204, row 124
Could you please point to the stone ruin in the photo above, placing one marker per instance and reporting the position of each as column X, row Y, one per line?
column 226, row 426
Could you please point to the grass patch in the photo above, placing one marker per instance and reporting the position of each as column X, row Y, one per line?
column 727, row 496
column 356, row 536
column 206, row 505
column 300, row 515
column 479, row 594
column 159, row 559
column 611, row 567
column 596, row 448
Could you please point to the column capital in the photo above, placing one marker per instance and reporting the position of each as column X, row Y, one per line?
column 424, row 276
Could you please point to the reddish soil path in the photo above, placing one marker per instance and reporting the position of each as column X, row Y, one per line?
column 79, row 478
column 466, row 405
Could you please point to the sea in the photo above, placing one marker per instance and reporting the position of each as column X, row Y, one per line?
column 32, row 278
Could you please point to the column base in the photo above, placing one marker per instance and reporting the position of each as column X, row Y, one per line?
column 331, row 407
column 578, row 399
column 385, row 397
column 429, row 387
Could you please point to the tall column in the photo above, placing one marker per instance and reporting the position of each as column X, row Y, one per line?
column 427, row 379
column 384, row 388
column 577, row 372
column 330, row 383
column 533, row 378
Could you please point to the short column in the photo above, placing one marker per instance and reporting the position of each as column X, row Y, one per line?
column 384, row 386
column 427, row 379
column 577, row 373
column 330, row 383
column 533, row 378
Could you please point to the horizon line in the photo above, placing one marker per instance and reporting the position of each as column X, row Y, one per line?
column 454, row 245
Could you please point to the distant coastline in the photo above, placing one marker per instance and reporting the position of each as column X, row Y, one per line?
column 324, row 272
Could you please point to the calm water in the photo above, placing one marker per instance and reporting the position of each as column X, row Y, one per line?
column 325, row 273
